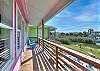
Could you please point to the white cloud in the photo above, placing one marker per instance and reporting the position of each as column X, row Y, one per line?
column 99, row 17
column 64, row 14
column 89, row 13
column 86, row 18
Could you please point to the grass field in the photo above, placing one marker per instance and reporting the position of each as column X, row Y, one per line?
column 89, row 49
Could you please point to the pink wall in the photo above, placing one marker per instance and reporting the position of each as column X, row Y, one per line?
column 17, row 66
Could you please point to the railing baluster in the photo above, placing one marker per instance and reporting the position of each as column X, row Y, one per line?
column 39, row 42
column 59, row 52
column 37, row 35
column 56, row 58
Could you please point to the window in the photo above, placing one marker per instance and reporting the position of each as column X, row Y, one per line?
column 19, row 20
column 0, row 18
column 18, row 38
column 6, row 33
column 7, row 12
column 4, row 46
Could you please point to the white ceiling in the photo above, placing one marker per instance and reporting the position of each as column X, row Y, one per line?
column 38, row 9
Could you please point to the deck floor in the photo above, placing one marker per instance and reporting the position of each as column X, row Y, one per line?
column 41, row 60
column 27, row 64
column 37, row 59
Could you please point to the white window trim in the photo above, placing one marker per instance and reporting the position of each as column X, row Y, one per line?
column 18, row 30
column 5, row 26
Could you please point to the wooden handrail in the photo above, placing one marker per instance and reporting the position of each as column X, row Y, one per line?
column 67, row 64
column 83, row 57
column 70, row 60
column 55, row 50
column 56, row 55
column 52, row 54
column 75, row 63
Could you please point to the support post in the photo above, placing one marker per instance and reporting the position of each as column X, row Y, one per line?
column 42, row 34
column 37, row 35
column 56, row 58
column 48, row 33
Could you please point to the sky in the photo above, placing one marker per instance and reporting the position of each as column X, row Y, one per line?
column 79, row 16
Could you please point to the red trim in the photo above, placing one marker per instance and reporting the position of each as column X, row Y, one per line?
column 1, row 10
column 22, row 9
column 13, row 65
column 25, row 8
column 0, row 6
column 15, row 26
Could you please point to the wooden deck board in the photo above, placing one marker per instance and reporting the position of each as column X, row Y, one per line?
column 27, row 64
column 41, row 61
column 37, row 59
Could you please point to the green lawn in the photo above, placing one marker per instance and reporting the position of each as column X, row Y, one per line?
column 90, row 49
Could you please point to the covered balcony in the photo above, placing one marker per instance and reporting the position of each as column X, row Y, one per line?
column 49, row 56
column 46, row 54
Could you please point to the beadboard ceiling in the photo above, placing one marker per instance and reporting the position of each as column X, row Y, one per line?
column 39, row 9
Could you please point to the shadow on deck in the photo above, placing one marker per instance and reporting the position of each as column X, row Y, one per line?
column 27, row 64
column 42, row 60
column 54, row 57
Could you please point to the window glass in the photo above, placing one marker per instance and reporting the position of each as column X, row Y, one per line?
column 0, row 18
column 4, row 46
column 19, row 20
column 18, row 40
column 7, row 12
column 18, row 45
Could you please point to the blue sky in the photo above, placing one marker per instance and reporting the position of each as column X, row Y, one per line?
column 79, row 16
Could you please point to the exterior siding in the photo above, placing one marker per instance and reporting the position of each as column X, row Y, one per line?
column 16, row 57
column 32, row 32
column 17, row 66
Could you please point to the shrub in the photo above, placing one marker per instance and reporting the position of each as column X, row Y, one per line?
column 64, row 41
column 68, row 40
